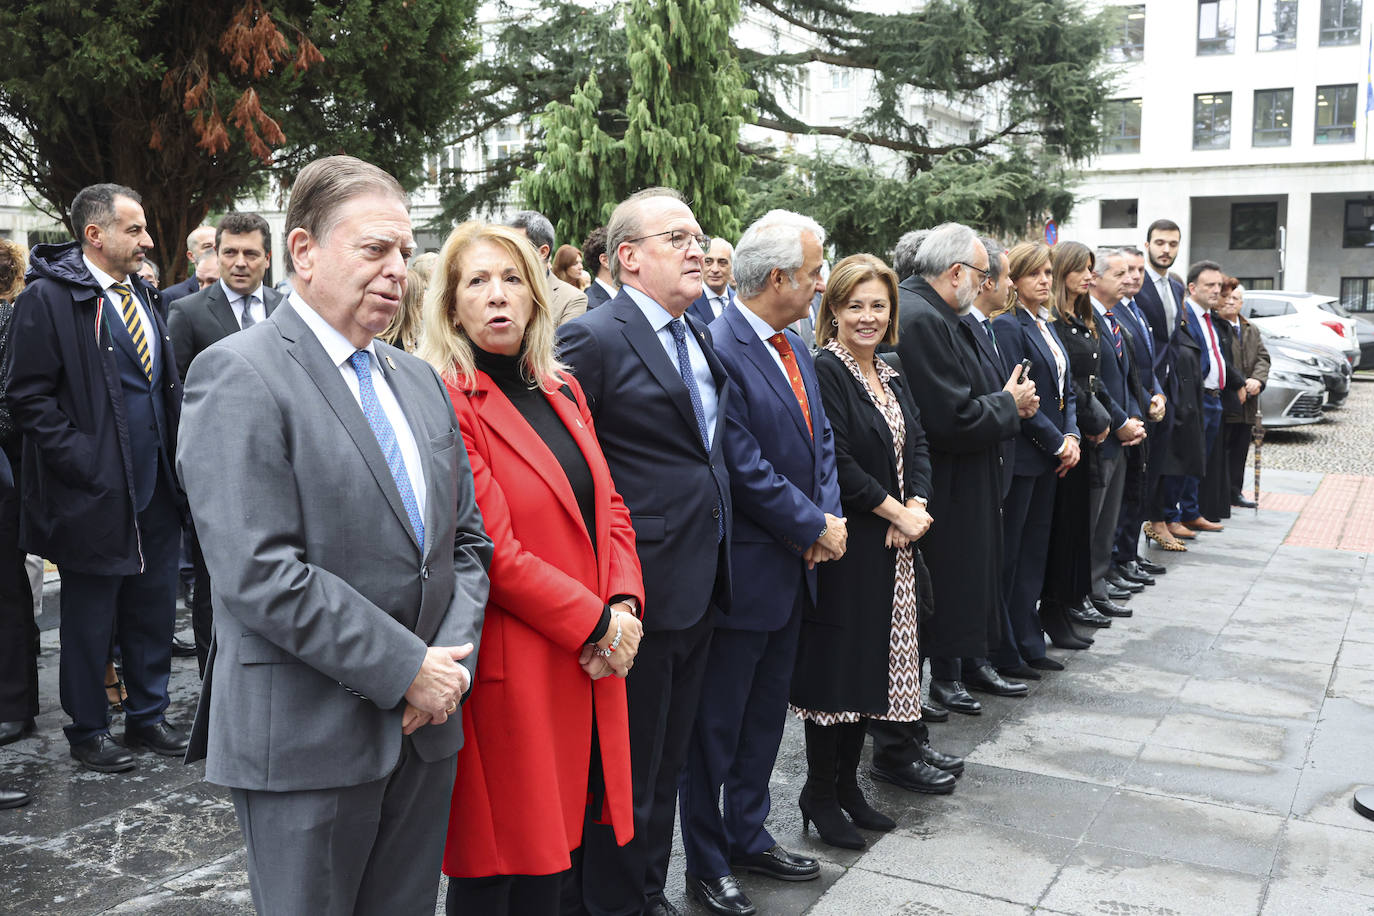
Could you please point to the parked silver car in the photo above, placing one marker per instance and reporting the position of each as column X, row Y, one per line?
column 1331, row 364
column 1294, row 394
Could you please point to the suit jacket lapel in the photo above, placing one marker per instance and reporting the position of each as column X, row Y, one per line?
column 645, row 343
column 754, row 349
column 1032, row 332
column 400, row 387
column 306, row 350
column 270, row 300
column 219, row 306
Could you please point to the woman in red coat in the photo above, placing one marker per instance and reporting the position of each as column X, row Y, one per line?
column 547, row 740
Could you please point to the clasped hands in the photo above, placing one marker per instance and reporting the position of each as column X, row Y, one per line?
column 438, row 687
column 829, row 546
column 1132, row 432
column 909, row 526
column 622, row 659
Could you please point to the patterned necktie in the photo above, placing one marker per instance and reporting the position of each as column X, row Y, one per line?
column 992, row 338
column 789, row 362
column 134, row 323
column 386, row 438
column 1215, row 350
column 1166, row 299
column 246, row 321
column 1116, row 331
column 678, row 329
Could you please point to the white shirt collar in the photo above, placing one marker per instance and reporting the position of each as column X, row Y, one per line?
column 104, row 279
column 232, row 296
column 338, row 347
column 978, row 315
column 712, row 294
column 1154, row 275
column 759, row 326
column 658, row 316
column 606, row 286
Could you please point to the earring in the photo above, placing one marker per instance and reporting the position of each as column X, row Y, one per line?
column 834, row 322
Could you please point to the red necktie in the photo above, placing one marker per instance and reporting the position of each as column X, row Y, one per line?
column 789, row 362
column 1216, row 351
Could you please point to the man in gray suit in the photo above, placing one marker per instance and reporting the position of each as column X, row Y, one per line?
column 333, row 498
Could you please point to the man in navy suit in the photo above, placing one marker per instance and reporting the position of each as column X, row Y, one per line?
column 781, row 457
column 598, row 267
column 1128, row 429
column 716, row 274
column 659, row 397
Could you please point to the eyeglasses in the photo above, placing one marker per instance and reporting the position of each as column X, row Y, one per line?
column 679, row 238
column 987, row 275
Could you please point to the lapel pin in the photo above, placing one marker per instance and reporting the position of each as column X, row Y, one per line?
column 391, row 364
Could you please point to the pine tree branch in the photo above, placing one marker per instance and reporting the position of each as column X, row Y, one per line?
column 892, row 143
column 833, row 34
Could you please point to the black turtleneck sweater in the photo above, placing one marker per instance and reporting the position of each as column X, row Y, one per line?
column 534, row 407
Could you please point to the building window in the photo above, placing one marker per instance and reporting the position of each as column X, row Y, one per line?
column 1357, row 293
column 1128, row 34
column 1335, row 114
column 1254, row 227
column 1122, row 123
column 1216, row 26
column 1278, row 25
column 840, row 77
column 1119, row 214
column 1340, row 22
column 1257, row 282
column 1359, row 224
column 1273, row 117
column 1212, row 120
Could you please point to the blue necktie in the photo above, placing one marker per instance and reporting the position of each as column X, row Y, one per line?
column 689, row 378
column 1145, row 325
column 386, row 438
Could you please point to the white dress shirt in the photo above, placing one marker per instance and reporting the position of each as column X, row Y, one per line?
column 340, row 350
column 717, row 301
column 765, row 331
column 1166, row 296
column 610, row 290
column 1213, row 377
column 659, row 319
column 149, row 329
column 257, row 306
column 1061, row 362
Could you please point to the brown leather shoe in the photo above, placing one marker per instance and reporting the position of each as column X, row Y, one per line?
column 1179, row 530
column 1204, row 524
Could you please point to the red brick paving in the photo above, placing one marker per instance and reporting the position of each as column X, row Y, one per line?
column 1339, row 516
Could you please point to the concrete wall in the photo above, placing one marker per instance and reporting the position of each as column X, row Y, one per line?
column 1211, row 222
column 1328, row 261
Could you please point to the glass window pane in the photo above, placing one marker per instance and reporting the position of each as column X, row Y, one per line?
column 1359, row 224
column 1278, row 24
column 1340, row 22
column 1128, row 33
column 1254, row 226
column 1122, row 126
column 1273, row 117
column 1216, row 27
column 1212, row 120
column 1335, row 121
column 1119, row 214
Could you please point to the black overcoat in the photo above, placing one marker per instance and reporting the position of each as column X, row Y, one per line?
column 1187, row 452
column 966, row 415
column 842, row 656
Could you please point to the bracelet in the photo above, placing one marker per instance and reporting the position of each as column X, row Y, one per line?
column 615, row 643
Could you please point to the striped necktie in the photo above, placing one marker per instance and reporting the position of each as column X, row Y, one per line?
column 134, row 323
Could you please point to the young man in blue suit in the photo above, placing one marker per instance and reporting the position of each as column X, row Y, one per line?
column 781, row 458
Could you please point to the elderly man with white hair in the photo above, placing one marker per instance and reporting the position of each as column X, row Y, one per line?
column 781, row 459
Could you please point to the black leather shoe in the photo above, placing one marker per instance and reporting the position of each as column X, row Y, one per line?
column 947, row 762
column 917, row 777
column 778, row 863
column 1118, row 594
column 1153, row 569
column 934, row 712
column 1240, row 502
column 1130, row 574
column 161, row 738
column 660, row 907
column 721, row 895
column 1021, row 672
column 1109, row 608
column 13, row 798
column 183, row 649
column 13, row 731
column 1045, row 664
column 1116, row 580
column 952, row 696
column 102, row 754
column 1087, row 616
column 987, row 680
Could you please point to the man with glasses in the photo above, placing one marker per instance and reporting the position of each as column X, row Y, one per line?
column 658, row 395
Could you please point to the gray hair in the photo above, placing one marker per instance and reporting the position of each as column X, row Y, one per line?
column 95, row 206
column 152, row 265
column 537, row 228
column 904, row 255
column 994, row 249
column 1133, row 251
column 946, row 245
column 1103, row 255
column 207, row 256
column 626, row 223
column 325, row 185
column 773, row 242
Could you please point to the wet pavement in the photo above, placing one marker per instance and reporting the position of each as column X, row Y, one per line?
column 1199, row 759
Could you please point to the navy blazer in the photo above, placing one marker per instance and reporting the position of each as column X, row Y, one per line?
column 596, row 295
column 701, row 308
column 1143, row 348
column 782, row 477
column 1148, row 300
column 996, row 369
column 677, row 490
column 1115, row 391
column 1042, row 434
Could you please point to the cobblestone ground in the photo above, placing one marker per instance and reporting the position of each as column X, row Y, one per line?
column 1343, row 443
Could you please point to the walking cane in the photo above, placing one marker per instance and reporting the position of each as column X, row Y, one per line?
column 1257, row 434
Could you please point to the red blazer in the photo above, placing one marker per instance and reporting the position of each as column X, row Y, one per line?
column 521, row 791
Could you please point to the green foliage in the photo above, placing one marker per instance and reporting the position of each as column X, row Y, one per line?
column 193, row 102
column 682, row 113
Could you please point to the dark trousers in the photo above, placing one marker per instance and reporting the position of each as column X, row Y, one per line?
column 1158, row 434
column 662, row 693
column 1237, row 438
column 18, row 631
column 202, row 617
column 723, row 792
column 1134, row 502
column 1211, row 427
column 1026, row 516
column 896, row 744
column 1105, row 503
column 943, row 668
column 138, row 612
column 505, row 895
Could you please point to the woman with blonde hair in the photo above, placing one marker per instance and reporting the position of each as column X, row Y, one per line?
column 404, row 329
column 547, row 748
column 1046, row 450
column 857, row 658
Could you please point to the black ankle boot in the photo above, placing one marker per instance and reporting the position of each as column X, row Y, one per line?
column 1054, row 618
column 819, row 802
column 847, row 791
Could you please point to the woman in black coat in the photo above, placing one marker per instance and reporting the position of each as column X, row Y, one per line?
column 1046, row 450
column 858, row 656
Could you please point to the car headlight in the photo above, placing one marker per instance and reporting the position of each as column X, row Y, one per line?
column 1292, row 379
